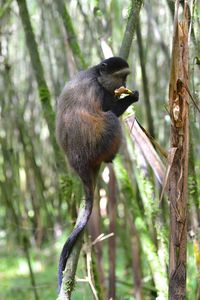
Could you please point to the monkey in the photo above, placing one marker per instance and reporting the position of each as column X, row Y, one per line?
column 89, row 131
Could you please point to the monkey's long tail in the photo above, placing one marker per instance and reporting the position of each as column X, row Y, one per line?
column 79, row 227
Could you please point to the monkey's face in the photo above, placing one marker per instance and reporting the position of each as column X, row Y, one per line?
column 113, row 73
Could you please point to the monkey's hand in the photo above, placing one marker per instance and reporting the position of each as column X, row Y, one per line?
column 121, row 104
column 134, row 96
column 123, row 93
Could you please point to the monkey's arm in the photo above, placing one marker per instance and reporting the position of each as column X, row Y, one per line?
column 119, row 107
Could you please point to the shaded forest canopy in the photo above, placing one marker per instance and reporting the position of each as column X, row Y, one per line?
column 42, row 45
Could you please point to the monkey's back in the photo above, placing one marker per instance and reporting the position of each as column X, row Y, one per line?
column 86, row 133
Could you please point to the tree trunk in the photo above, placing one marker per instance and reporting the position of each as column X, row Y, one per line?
column 178, row 102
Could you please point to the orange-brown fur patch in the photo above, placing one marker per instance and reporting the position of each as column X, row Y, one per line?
column 96, row 122
column 109, row 154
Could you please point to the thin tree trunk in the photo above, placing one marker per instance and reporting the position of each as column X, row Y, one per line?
column 32, row 276
column 44, row 92
column 71, row 35
column 136, row 261
column 178, row 102
column 112, row 207
column 150, row 121
column 5, row 7
column 94, row 228
column 130, row 28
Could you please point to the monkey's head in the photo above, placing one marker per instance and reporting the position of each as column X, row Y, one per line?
column 113, row 73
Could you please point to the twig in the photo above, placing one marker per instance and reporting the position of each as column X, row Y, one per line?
column 101, row 238
column 192, row 98
column 89, row 274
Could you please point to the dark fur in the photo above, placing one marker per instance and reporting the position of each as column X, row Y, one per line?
column 88, row 130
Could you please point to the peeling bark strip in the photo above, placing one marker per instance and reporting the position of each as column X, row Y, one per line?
column 140, row 137
column 178, row 104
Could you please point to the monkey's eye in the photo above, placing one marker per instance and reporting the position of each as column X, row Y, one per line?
column 104, row 65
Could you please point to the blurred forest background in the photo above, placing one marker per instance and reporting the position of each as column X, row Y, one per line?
column 42, row 44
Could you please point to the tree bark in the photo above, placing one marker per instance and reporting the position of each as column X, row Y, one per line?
column 178, row 102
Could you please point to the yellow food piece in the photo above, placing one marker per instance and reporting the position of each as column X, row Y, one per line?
column 122, row 90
